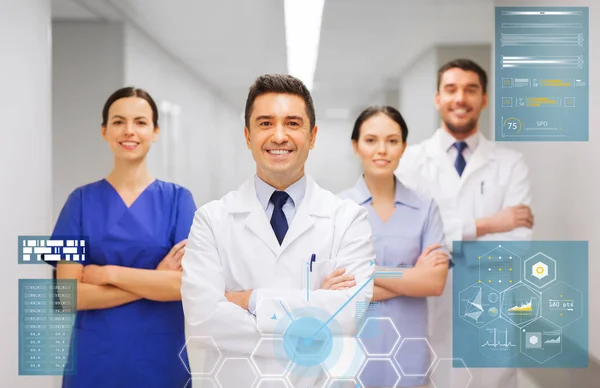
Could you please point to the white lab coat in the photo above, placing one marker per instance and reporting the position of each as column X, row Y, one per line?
column 232, row 247
column 494, row 178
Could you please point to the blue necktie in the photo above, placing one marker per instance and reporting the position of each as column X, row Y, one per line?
column 460, row 161
column 278, row 220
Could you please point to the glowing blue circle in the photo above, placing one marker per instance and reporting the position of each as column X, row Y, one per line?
column 307, row 341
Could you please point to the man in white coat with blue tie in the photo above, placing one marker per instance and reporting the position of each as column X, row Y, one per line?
column 482, row 190
column 257, row 260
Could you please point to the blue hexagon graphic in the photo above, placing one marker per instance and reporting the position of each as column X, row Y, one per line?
column 479, row 304
column 541, row 340
column 499, row 268
column 521, row 304
column 266, row 366
column 379, row 372
column 499, row 341
column 378, row 336
column 442, row 372
column 539, row 270
column 563, row 304
column 409, row 365
column 236, row 373
column 203, row 382
column 272, row 383
column 201, row 365
column 308, row 341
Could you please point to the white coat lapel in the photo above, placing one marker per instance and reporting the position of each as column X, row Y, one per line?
column 439, row 157
column 256, row 220
column 482, row 156
column 314, row 205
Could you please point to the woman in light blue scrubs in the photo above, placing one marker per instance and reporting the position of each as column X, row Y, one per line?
column 129, row 328
column 407, row 233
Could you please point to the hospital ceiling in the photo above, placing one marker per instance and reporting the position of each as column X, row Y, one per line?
column 365, row 44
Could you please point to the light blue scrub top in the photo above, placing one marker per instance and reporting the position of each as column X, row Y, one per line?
column 415, row 224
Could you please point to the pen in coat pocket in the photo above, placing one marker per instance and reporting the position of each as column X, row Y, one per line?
column 313, row 258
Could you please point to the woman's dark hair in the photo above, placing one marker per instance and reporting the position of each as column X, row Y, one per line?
column 129, row 92
column 371, row 111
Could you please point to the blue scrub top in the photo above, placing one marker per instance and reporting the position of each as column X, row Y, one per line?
column 415, row 224
column 136, row 344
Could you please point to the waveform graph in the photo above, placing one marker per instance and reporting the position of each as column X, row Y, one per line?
column 520, row 304
column 499, row 341
column 541, row 340
column 499, row 268
column 479, row 304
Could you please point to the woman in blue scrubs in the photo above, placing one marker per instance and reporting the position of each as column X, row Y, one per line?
column 129, row 326
column 407, row 233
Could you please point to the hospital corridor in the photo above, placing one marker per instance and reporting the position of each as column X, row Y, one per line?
column 300, row 193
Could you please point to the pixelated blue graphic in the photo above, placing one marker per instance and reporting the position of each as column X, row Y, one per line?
column 539, row 320
column 43, row 249
column 364, row 311
column 411, row 365
column 47, row 310
column 542, row 74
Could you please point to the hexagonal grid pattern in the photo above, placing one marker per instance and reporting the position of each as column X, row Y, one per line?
column 565, row 304
column 407, row 345
column 529, row 269
column 541, row 340
column 272, row 383
column 302, row 376
column 476, row 301
column 270, row 367
column 343, row 383
column 381, row 363
column 382, row 337
column 497, row 266
column 350, row 360
column 238, row 373
column 499, row 341
column 211, row 343
column 519, row 311
column 442, row 376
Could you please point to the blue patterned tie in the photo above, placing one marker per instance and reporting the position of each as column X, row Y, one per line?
column 460, row 161
column 278, row 220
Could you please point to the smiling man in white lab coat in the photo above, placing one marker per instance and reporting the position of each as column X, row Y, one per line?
column 256, row 260
column 482, row 190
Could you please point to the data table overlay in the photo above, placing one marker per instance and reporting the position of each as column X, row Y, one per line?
column 542, row 74
column 47, row 309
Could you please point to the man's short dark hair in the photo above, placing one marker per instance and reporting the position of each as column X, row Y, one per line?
column 279, row 83
column 466, row 65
